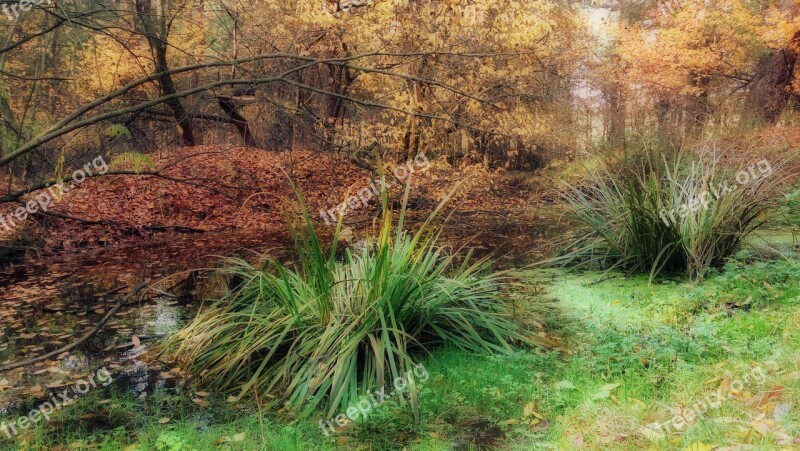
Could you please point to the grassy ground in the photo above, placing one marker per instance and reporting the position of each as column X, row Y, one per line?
column 634, row 356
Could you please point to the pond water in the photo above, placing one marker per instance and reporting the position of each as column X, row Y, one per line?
column 121, row 348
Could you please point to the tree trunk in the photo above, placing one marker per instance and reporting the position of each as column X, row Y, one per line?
column 340, row 79
column 698, row 108
column 412, row 135
column 770, row 89
column 229, row 107
column 167, row 87
column 616, row 117
column 156, row 31
column 7, row 113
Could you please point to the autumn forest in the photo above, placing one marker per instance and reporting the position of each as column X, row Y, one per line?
column 388, row 224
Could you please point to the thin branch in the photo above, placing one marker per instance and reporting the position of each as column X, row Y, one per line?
column 83, row 339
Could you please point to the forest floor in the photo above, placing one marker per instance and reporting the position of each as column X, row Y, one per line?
column 633, row 355
column 219, row 201
column 667, row 365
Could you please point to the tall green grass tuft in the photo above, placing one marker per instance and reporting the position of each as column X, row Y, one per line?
column 651, row 211
column 323, row 330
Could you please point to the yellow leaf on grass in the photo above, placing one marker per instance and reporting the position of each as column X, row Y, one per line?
column 530, row 411
column 652, row 434
column 164, row 420
column 763, row 427
column 605, row 391
column 609, row 387
column 699, row 446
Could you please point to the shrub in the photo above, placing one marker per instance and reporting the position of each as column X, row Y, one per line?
column 319, row 330
column 652, row 211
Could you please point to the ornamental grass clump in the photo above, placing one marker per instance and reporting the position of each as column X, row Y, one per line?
column 652, row 211
column 323, row 330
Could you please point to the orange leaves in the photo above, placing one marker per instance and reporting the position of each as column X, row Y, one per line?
column 722, row 39
column 216, row 184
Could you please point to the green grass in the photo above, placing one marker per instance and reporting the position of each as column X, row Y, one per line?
column 124, row 422
column 667, row 344
column 788, row 214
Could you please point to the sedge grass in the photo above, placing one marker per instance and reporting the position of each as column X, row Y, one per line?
column 323, row 330
column 652, row 211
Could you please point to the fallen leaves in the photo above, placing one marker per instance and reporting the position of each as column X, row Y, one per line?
column 652, row 432
column 605, row 391
column 57, row 384
column 243, row 188
column 760, row 399
column 781, row 411
column 763, row 426
column 230, row 439
column 565, row 385
column 530, row 416
column 699, row 446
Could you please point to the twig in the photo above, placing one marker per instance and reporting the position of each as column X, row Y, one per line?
column 96, row 296
column 87, row 336
column 125, row 228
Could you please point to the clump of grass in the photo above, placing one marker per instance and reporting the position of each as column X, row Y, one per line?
column 324, row 330
column 652, row 211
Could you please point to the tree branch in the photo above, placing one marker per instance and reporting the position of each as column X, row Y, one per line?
column 80, row 341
